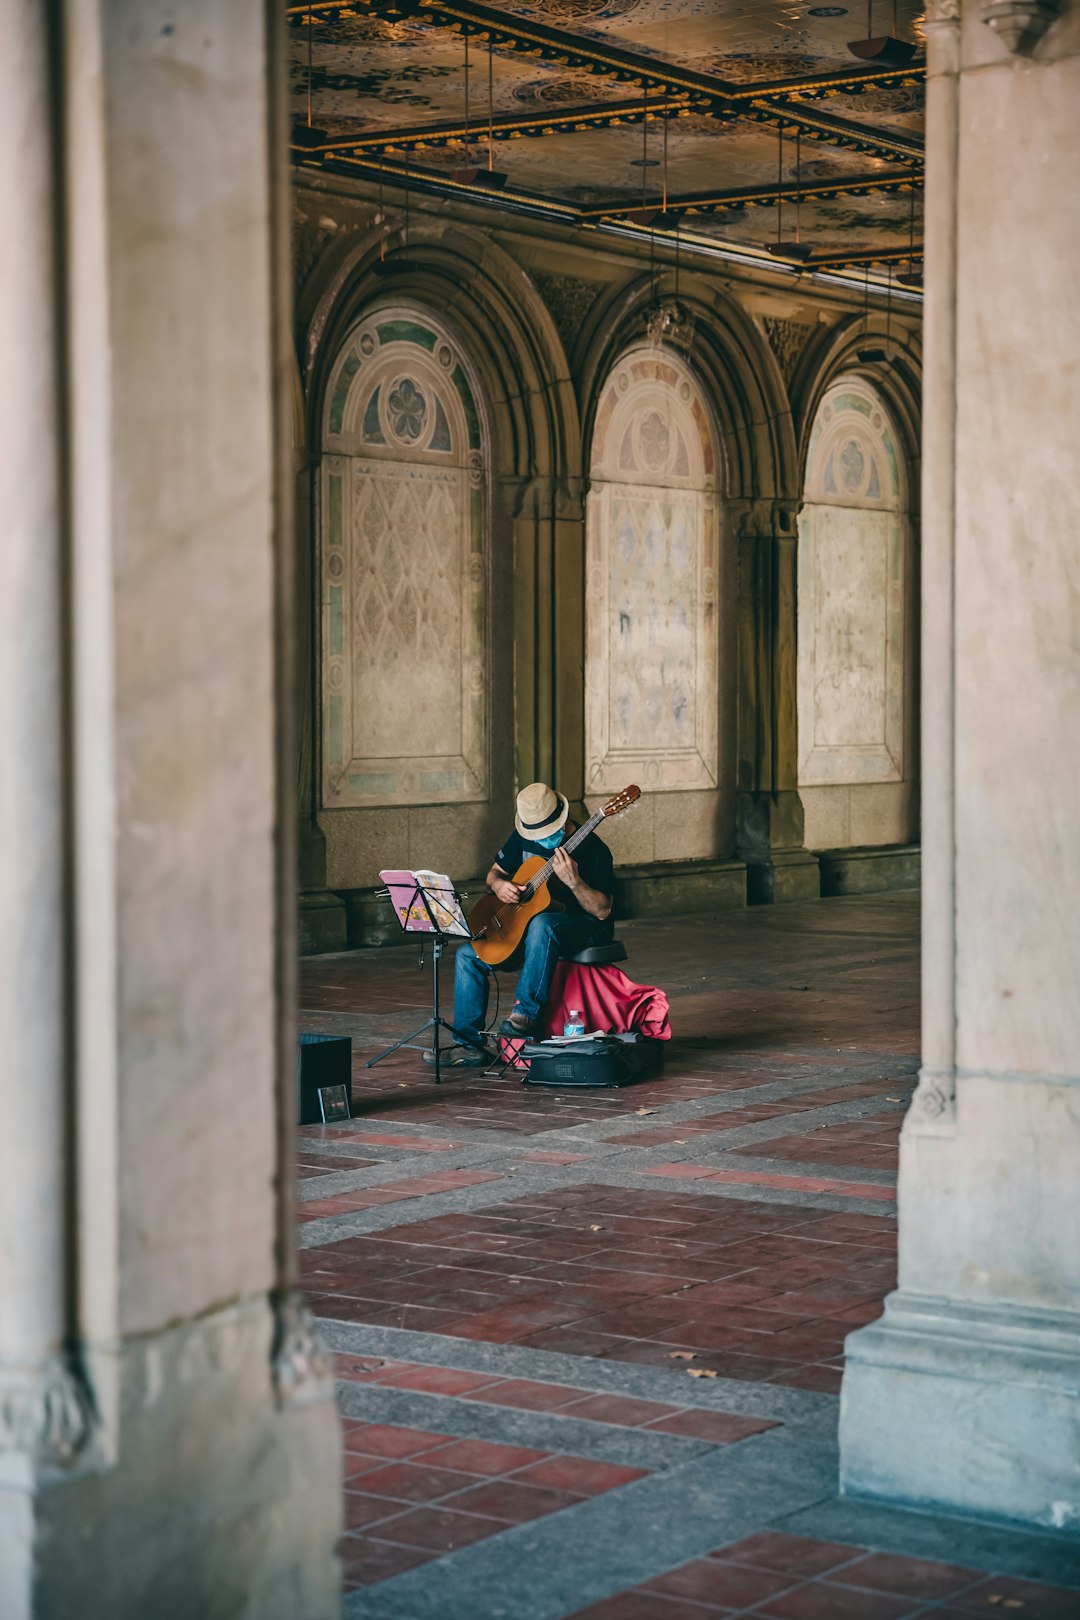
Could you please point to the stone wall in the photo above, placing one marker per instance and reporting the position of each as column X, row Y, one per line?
column 637, row 619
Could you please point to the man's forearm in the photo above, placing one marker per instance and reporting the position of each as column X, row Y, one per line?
column 596, row 903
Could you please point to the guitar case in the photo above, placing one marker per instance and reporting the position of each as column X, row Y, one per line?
column 595, row 1060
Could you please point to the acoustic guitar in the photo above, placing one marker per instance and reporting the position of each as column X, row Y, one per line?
column 498, row 928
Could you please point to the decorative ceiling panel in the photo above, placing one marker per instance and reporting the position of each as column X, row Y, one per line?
column 595, row 108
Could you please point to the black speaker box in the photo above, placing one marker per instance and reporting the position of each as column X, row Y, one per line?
column 321, row 1060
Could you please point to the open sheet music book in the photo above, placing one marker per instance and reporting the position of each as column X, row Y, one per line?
column 435, row 900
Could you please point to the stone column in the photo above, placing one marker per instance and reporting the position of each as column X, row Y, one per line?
column 769, row 814
column 168, row 1443
column 967, row 1393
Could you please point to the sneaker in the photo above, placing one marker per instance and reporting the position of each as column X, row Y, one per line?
column 518, row 1027
column 459, row 1057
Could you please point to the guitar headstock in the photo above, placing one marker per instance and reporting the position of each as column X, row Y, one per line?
column 622, row 801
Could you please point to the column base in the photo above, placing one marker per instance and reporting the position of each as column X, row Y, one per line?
column 874, row 870
column 964, row 1407
column 210, row 1491
column 782, row 875
column 323, row 923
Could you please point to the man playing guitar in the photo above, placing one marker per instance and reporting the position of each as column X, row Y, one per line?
column 581, row 884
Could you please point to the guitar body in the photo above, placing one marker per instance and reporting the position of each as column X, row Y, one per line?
column 497, row 928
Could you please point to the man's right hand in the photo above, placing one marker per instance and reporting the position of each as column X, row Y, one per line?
column 507, row 892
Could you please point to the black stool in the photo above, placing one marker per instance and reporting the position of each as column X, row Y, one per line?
column 599, row 955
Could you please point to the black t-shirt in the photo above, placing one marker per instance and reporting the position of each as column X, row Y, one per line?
column 593, row 860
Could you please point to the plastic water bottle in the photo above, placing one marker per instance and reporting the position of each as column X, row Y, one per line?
column 575, row 1023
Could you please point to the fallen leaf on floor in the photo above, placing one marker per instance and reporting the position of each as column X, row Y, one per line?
column 644, row 1110
column 702, row 1372
column 894, row 1099
column 683, row 1355
column 596, row 1228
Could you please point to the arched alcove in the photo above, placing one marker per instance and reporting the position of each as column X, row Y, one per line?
column 655, row 598
column 403, row 561
column 856, row 664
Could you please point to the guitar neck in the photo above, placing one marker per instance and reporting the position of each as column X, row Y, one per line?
column 571, row 844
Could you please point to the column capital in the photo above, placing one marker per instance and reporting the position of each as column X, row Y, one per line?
column 933, row 1107
column 1019, row 24
column 46, row 1416
column 301, row 1365
column 941, row 11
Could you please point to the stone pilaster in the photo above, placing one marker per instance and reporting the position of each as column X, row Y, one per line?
column 965, row 1394
column 769, row 815
column 548, row 529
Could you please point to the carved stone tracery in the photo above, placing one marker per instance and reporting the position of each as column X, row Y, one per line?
column 569, row 300
column 788, row 340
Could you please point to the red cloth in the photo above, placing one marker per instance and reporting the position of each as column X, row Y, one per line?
column 608, row 999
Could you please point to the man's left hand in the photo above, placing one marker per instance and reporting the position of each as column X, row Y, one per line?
column 565, row 868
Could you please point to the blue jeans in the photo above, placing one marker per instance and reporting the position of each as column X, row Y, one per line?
column 550, row 935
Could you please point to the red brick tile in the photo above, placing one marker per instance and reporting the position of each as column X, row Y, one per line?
column 707, row 1580
column 819, row 1600
column 788, row 1555
column 354, row 1464
column 415, row 1482
column 579, row 1474
column 364, row 1560
column 648, row 1606
column 722, row 1428
column 484, row 1457
column 439, row 1380
column 506, row 1499
column 388, row 1440
column 362, row 1509
column 439, row 1529
column 620, row 1409
column 908, row 1577
column 529, row 1396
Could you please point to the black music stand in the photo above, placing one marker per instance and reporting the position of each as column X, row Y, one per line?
column 438, row 938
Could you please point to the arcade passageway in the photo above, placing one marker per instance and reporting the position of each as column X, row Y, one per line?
column 592, row 1342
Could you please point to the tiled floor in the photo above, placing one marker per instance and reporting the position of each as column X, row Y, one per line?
column 581, row 1335
column 783, row 1577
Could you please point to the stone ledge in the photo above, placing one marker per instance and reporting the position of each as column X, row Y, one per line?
column 870, row 870
column 670, row 888
column 322, row 922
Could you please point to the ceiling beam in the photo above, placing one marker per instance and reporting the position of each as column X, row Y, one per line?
column 506, row 126
column 856, row 185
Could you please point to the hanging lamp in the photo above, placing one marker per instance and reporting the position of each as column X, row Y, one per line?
column 911, row 277
column 797, row 249
column 669, row 320
column 884, row 50
column 491, row 178
column 309, row 135
column 871, row 353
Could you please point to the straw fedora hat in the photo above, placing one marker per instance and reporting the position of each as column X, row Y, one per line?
column 540, row 811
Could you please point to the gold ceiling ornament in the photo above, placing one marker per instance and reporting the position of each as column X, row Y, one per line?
column 1020, row 24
